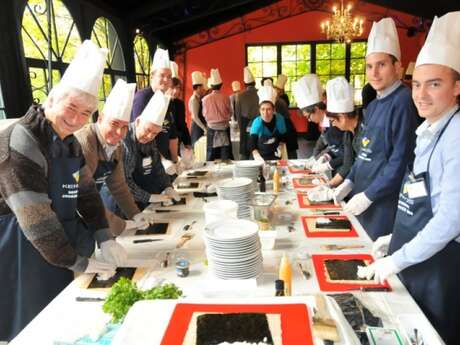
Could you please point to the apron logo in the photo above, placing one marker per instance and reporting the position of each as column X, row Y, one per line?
column 76, row 176
column 405, row 189
column 365, row 141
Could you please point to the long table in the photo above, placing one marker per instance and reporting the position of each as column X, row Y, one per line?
column 65, row 318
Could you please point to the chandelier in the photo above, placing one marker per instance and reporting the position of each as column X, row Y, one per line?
column 342, row 27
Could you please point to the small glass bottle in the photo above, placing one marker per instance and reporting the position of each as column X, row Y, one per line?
column 285, row 274
column 261, row 181
column 279, row 287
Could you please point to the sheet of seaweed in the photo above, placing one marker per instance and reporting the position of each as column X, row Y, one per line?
column 335, row 224
column 127, row 272
column 358, row 316
column 213, row 329
column 174, row 202
column 197, row 173
column 154, row 229
column 188, row 185
column 343, row 269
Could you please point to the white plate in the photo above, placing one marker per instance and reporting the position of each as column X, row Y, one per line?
column 231, row 230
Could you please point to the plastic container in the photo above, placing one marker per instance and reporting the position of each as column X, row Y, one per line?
column 218, row 210
column 285, row 274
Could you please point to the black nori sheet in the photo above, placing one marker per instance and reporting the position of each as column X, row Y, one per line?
column 335, row 224
column 339, row 269
column 188, row 185
column 174, row 202
column 154, row 229
column 213, row 329
column 358, row 316
column 127, row 272
column 197, row 173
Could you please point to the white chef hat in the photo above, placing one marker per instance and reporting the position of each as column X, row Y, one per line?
column 161, row 59
column 267, row 94
column 442, row 44
column 281, row 81
column 267, row 81
column 339, row 96
column 383, row 38
column 197, row 78
column 236, row 86
column 307, row 91
column 248, row 77
column 86, row 69
column 174, row 69
column 119, row 103
column 156, row 108
column 215, row 78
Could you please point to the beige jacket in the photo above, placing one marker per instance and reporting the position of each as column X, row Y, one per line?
column 93, row 149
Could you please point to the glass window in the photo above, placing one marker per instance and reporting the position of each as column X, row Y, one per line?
column 64, row 39
column 262, row 61
column 105, row 36
column 295, row 63
column 330, row 61
column 142, row 61
column 358, row 68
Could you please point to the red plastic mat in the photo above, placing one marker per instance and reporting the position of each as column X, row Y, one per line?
column 303, row 203
column 318, row 264
column 295, row 323
column 330, row 233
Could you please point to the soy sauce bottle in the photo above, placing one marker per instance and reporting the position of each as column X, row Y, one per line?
column 261, row 181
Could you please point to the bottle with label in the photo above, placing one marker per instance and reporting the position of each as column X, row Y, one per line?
column 285, row 274
column 279, row 287
column 261, row 181
column 276, row 181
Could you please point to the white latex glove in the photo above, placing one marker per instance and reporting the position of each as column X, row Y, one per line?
column 96, row 266
column 380, row 246
column 343, row 190
column 169, row 166
column 158, row 198
column 380, row 270
column 323, row 159
column 310, row 162
column 145, row 216
column 132, row 224
column 320, row 193
column 113, row 252
column 172, row 193
column 258, row 157
column 321, row 167
column 358, row 204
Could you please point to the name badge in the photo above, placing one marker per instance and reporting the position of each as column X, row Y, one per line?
column 416, row 189
column 146, row 162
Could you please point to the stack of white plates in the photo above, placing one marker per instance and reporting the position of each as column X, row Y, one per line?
column 233, row 249
column 239, row 190
column 249, row 169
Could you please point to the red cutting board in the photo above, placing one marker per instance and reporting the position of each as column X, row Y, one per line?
column 318, row 264
column 302, row 203
column 295, row 323
column 297, row 184
column 308, row 233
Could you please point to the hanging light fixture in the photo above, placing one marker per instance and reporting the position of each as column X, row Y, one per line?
column 342, row 27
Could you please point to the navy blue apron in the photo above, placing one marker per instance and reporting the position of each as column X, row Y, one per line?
column 434, row 282
column 104, row 169
column 30, row 283
column 378, row 219
column 197, row 132
column 245, row 126
column 268, row 144
column 149, row 173
column 162, row 139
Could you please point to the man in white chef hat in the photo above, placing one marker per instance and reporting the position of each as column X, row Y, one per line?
column 51, row 213
column 328, row 150
column 217, row 112
column 246, row 110
column 104, row 157
column 388, row 137
column 425, row 246
column 160, row 80
column 144, row 171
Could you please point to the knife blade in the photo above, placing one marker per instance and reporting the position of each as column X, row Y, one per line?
column 148, row 240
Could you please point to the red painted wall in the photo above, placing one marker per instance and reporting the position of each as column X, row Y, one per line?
column 228, row 54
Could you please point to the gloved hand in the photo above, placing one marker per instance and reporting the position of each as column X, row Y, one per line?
column 96, row 266
column 321, row 167
column 145, row 216
column 132, row 224
column 113, row 252
column 380, row 246
column 172, row 193
column 323, row 159
column 358, row 204
column 158, row 198
column 380, row 270
column 310, row 162
column 320, row 193
column 257, row 156
column 343, row 190
column 169, row 166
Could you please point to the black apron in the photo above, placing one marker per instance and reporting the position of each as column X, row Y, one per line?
column 434, row 282
column 245, row 126
column 104, row 169
column 197, row 132
column 267, row 145
column 30, row 283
